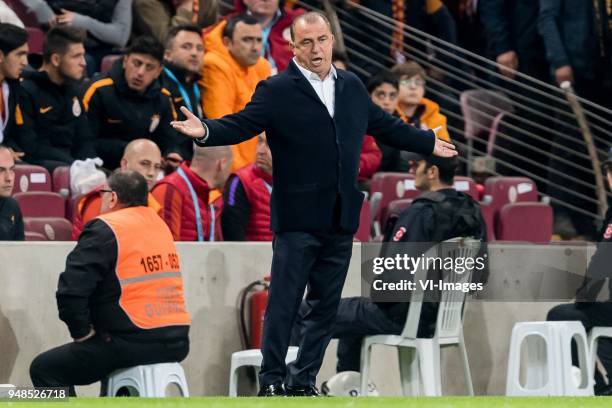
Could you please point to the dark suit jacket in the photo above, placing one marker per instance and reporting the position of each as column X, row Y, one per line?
column 315, row 157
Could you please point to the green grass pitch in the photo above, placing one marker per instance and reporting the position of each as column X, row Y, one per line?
column 219, row 402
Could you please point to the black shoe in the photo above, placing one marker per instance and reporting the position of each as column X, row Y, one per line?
column 273, row 390
column 309, row 391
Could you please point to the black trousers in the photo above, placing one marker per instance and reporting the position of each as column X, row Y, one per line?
column 94, row 359
column 591, row 315
column 300, row 259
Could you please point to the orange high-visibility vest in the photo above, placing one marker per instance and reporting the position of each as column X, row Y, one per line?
column 148, row 269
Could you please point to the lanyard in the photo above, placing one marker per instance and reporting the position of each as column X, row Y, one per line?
column 212, row 223
column 266, row 52
column 196, row 206
column 184, row 94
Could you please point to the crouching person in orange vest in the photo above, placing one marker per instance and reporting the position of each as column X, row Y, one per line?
column 121, row 294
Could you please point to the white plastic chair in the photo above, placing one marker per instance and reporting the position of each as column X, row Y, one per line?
column 549, row 369
column 420, row 357
column 148, row 380
column 594, row 335
column 251, row 358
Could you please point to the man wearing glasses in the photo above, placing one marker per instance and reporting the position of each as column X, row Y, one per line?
column 121, row 296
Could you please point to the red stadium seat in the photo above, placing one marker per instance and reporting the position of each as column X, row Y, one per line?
column 532, row 222
column 363, row 232
column 466, row 185
column 31, row 178
column 54, row 229
column 61, row 180
column 34, row 236
column 41, row 204
column 504, row 190
column 35, row 40
column 392, row 186
column 107, row 63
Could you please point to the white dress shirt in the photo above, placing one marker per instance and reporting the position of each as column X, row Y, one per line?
column 325, row 89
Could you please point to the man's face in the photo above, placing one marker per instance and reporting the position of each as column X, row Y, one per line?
column 385, row 96
column 312, row 46
column 224, row 169
column 264, row 8
column 140, row 71
column 109, row 199
column 187, row 51
column 423, row 175
column 72, row 64
column 263, row 155
column 147, row 162
column 411, row 90
column 7, row 173
column 246, row 44
column 14, row 62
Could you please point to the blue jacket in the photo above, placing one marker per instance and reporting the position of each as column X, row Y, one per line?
column 316, row 158
column 568, row 30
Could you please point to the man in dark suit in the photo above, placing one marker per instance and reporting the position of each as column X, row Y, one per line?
column 314, row 117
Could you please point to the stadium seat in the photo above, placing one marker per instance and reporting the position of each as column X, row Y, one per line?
column 489, row 218
column 61, row 180
column 532, row 222
column 34, row 236
column 363, row 232
column 251, row 358
column 148, row 380
column 466, row 185
column 41, row 204
column 419, row 358
column 31, row 178
column 500, row 191
column 393, row 186
column 107, row 63
column 35, row 40
column 53, row 228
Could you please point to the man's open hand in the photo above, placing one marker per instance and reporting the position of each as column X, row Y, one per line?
column 192, row 126
column 442, row 148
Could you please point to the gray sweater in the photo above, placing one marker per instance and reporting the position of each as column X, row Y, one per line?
column 117, row 32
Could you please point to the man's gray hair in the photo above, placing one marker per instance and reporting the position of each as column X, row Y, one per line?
column 310, row 17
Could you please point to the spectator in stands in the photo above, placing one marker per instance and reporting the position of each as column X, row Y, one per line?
column 129, row 103
column 188, row 207
column 54, row 131
column 140, row 155
column 13, row 59
column 183, row 61
column 437, row 215
column 412, row 107
column 340, row 60
column 112, row 291
column 384, row 90
column 155, row 17
column 246, row 200
column 11, row 221
column 512, row 36
column 275, row 20
column 108, row 22
column 233, row 67
column 587, row 308
column 8, row 16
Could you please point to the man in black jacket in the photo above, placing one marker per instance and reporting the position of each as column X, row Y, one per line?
column 315, row 118
column 121, row 296
column 54, row 131
column 129, row 103
column 587, row 308
column 11, row 221
column 13, row 59
column 183, row 61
